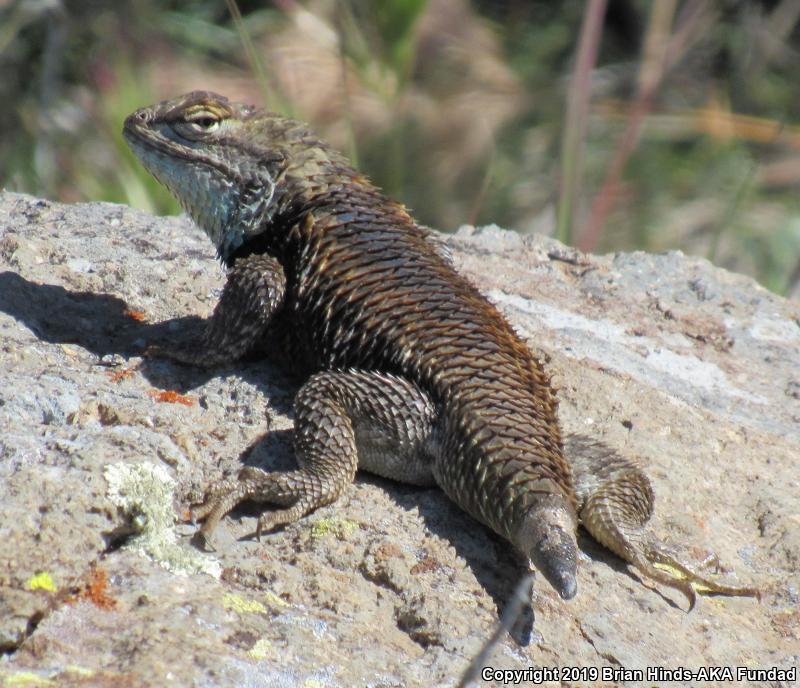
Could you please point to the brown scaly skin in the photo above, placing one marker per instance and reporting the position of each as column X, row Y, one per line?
column 416, row 376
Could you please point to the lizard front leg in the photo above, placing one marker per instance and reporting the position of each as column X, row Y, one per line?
column 615, row 502
column 343, row 420
column 253, row 292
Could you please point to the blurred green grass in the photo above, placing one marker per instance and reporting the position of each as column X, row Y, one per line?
column 456, row 108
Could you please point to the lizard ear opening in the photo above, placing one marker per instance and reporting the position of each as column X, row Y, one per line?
column 547, row 536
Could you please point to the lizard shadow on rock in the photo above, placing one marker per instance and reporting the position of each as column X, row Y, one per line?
column 100, row 323
column 103, row 325
column 97, row 322
column 492, row 560
column 495, row 564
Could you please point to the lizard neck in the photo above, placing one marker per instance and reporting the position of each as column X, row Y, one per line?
column 315, row 194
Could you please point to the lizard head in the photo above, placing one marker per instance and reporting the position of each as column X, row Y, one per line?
column 225, row 162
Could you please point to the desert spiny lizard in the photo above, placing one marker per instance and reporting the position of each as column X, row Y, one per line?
column 414, row 375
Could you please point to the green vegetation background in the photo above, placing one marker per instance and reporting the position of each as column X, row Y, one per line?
column 456, row 108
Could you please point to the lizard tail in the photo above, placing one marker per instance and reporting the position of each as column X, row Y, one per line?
column 547, row 536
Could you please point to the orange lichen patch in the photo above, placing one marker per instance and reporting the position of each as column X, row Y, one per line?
column 138, row 316
column 95, row 589
column 168, row 396
column 428, row 563
column 120, row 375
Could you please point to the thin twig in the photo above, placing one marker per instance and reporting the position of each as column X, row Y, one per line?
column 519, row 599
column 654, row 60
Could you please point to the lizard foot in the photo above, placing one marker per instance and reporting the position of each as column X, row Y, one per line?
column 298, row 490
column 222, row 497
column 271, row 520
column 615, row 504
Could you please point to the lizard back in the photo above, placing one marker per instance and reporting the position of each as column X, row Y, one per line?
column 370, row 289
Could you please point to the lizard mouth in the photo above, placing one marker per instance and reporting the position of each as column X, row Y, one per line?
column 138, row 130
column 144, row 142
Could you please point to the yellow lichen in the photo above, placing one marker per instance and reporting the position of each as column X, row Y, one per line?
column 339, row 528
column 241, row 605
column 41, row 581
column 25, row 679
column 260, row 650
column 274, row 600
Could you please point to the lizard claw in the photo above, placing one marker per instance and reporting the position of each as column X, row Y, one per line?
column 175, row 354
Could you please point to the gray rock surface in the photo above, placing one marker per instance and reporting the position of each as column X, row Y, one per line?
column 694, row 370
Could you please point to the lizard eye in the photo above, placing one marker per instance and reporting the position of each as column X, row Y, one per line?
column 205, row 123
column 197, row 124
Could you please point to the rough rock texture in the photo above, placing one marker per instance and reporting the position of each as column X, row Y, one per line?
column 692, row 369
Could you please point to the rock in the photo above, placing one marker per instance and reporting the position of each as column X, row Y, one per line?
column 692, row 369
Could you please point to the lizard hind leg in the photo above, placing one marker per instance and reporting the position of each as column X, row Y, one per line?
column 615, row 501
column 343, row 419
column 325, row 449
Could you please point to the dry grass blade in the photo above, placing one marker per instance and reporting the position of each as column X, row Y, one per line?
column 574, row 137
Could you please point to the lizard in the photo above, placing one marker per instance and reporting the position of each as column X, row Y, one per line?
column 412, row 373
